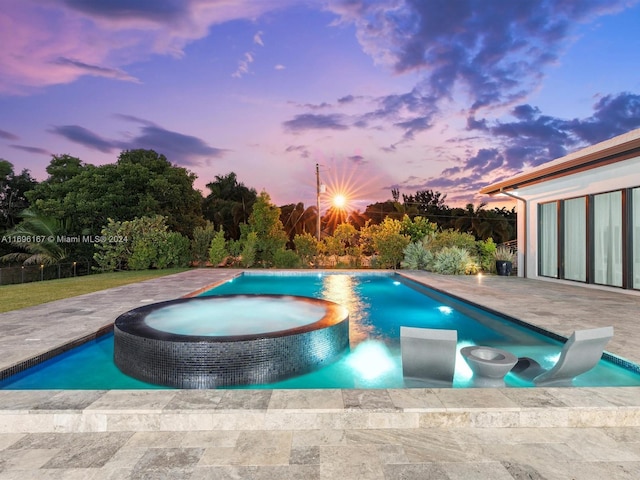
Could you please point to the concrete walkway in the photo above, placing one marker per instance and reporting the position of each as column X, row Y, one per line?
column 541, row 433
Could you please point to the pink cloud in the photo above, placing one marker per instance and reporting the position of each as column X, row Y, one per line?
column 57, row 42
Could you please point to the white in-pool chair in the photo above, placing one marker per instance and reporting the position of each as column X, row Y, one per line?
column 580, row 354
column 428, row 356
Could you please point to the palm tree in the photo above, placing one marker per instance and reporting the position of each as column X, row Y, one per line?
column 37, row 236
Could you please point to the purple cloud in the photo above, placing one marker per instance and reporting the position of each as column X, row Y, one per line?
column 81, row 135
column 95, row 70
column 302, row 150
column 177, row 147
column 308, row 121
column 496, row 50
column 531, row 139
column 184, row 149
column 37, row 150
column 8, row 135
column 156, row 10
column 357, row 159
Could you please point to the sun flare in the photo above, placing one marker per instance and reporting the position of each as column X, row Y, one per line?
column 339, row 201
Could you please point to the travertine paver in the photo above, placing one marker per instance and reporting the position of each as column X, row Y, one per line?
column 587, row 433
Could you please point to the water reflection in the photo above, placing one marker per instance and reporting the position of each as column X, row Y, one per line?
column 341, row 289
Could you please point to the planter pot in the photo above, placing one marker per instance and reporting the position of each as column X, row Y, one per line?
column 503, row 267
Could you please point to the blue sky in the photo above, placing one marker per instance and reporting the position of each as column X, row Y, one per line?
column 410, row 94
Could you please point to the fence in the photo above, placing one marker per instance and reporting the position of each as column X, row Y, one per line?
column 37, row 273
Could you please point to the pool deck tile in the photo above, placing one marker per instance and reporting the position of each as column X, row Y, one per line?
column 505, row 433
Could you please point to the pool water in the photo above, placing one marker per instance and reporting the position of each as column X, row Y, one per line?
column 378, row 306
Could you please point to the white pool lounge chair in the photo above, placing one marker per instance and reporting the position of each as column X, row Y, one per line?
column 428, row 356
column 580, row 354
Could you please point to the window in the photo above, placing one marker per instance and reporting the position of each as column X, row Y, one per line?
column 575, row 239
column 548, row 234
column 607, row 238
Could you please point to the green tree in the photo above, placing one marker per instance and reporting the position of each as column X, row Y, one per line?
column 270, row 234
column 12, row 194
column 333, row 247
column 347, row 235
column 201, row 243
column 249, row 250
column 417, row 228
column 218, row 249
column 296, row 220
column 307, row 247
column 229, row 204
column 431, row 205
column 389, row 243
column 140, row 183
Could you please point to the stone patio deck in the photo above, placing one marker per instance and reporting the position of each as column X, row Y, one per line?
column 541, row 433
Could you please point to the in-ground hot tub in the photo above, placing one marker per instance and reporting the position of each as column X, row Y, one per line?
column 214, row 341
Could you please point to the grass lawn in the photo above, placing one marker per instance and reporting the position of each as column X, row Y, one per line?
column 24, row 295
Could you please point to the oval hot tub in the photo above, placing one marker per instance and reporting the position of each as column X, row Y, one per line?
column 208, row 342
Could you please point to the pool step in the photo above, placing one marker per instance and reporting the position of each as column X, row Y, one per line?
column 201, row 410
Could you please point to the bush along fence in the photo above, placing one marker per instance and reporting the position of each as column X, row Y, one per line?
column 37, row 273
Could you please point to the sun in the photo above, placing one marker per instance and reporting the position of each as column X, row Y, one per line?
column 339, row 201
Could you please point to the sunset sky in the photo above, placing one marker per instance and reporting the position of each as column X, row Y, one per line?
column 448, row 95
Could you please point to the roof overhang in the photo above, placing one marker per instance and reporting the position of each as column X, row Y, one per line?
column 617, row 149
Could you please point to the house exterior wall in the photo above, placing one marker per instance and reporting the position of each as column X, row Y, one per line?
column 612, row 177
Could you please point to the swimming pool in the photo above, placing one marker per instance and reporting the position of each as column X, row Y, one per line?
column 378, row 304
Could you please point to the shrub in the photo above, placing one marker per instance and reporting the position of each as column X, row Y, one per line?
column 333, row 247
column 486, row 250
column 173, row 251
column 418, row 228
column 417, row 257
column 285, row 258
column 248, row 255
column 452, row 238
column 355, row 256
column 145, row 244
column 218, row 248
column 454, row 261
column 201, row 243
column 389, row 243
column 306, row 246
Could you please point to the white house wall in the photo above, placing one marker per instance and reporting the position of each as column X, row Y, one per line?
column 616, row 176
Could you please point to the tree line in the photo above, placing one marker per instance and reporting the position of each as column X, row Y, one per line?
column 153, row 204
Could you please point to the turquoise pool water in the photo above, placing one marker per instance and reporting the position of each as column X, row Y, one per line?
column 378, row 305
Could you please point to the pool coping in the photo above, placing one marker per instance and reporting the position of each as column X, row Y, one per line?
column 31, row 411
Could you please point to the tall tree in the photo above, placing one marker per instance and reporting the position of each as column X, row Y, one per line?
column 270, row 235
column 229, row 204
column 431, row 205
column 12, row 194
column 140, row 183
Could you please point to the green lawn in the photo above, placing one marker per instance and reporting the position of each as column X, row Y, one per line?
column 13, row 297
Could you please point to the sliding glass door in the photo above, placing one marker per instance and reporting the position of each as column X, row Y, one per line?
column 607, row 238
column 548, row 239
column 575, row 239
